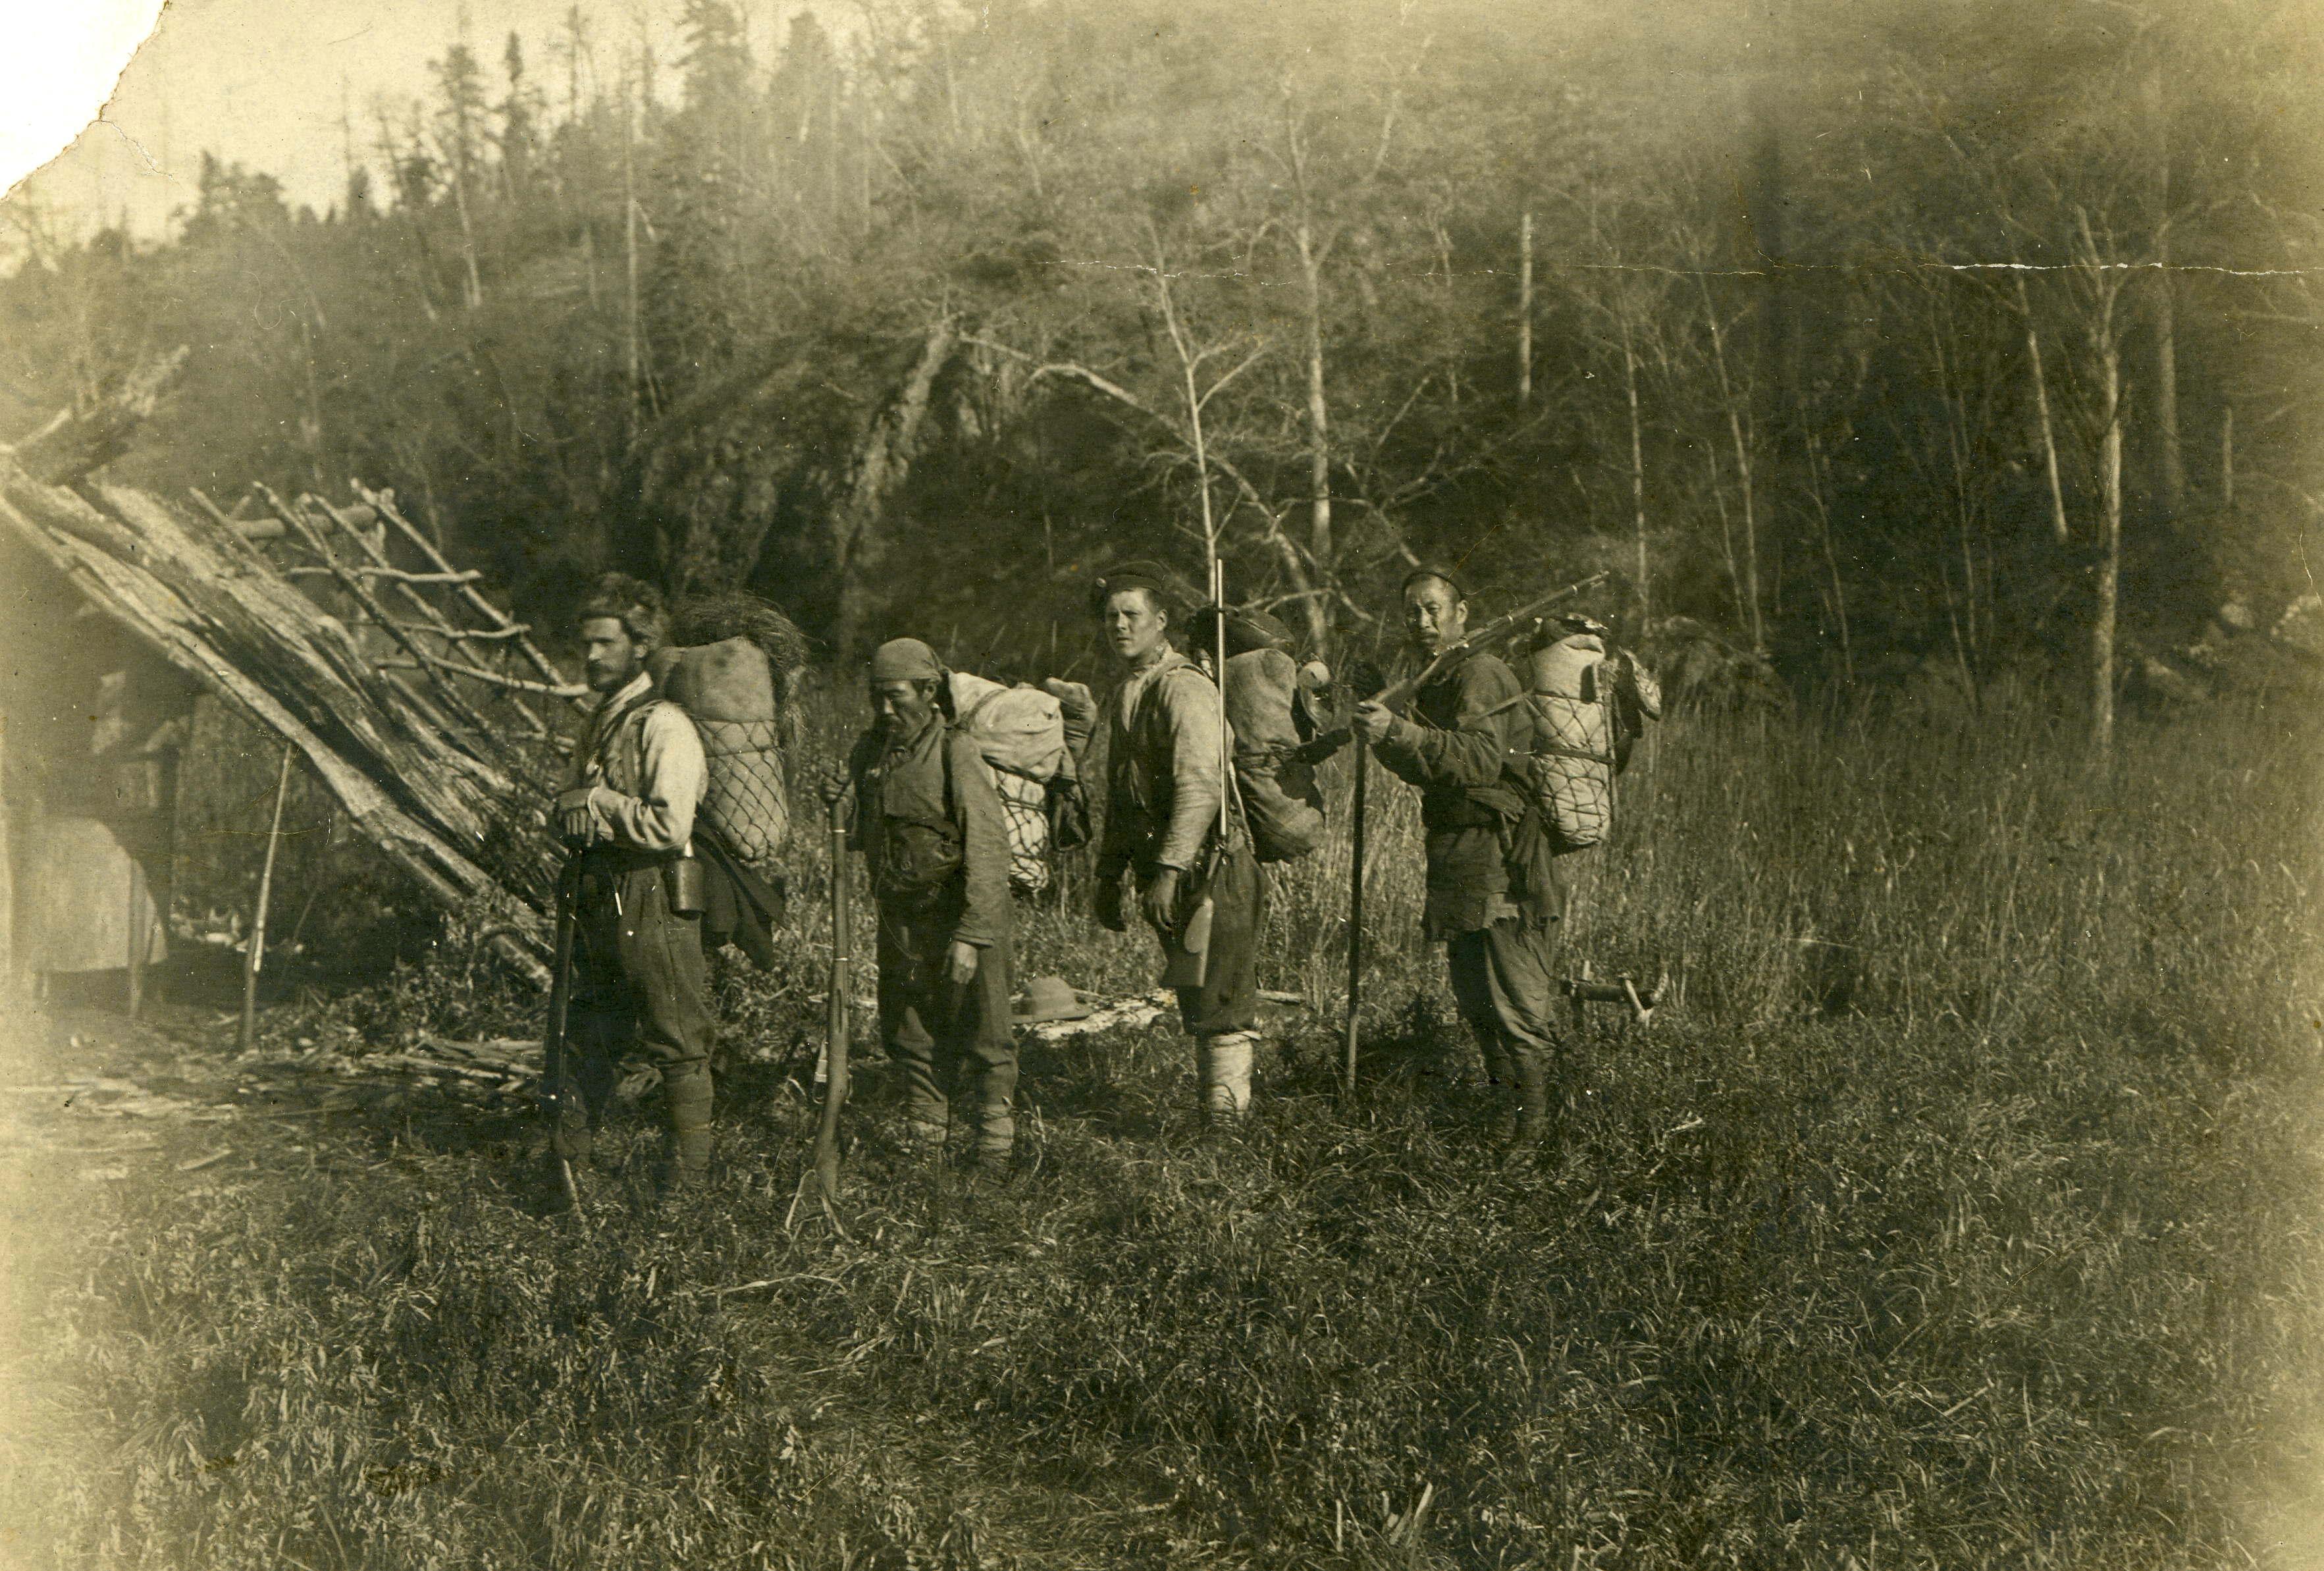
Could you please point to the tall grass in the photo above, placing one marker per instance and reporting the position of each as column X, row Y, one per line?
column 1961, row 1209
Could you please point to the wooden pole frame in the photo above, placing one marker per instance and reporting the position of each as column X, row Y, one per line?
column 256, row 959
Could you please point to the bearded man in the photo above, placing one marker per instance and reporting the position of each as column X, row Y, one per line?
column 627, row 814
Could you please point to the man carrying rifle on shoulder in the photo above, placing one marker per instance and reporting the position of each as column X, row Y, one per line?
column 627, row 814
column 1491, row 899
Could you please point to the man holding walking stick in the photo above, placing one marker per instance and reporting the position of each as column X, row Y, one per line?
column 1491, row 898
column 627, row 814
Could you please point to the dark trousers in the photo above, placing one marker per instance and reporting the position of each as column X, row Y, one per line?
column 1502, row 984
column 1228, row 999
column 638, row 983
column 945, row 1039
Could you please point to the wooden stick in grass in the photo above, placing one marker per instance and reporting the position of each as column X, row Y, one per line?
column 1356, row 903
column 256, row 957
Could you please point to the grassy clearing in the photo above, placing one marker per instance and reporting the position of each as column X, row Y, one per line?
column 1963, row 1212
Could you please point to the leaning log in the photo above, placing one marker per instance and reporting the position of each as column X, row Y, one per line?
column 79, row 440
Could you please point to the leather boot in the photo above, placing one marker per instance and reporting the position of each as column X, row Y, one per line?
column 686, row 1097
column 995, row 1119
column 1501, row 1123
column 1533, row 1137
column 1223, row 1063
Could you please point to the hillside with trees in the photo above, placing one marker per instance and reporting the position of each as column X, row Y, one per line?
column 1947, row 344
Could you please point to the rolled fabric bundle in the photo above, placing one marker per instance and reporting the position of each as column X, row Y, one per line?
column 1281, row 801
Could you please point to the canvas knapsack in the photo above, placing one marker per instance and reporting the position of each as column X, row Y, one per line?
column 1281, row 801
column 728, row 689
column 1588, row 708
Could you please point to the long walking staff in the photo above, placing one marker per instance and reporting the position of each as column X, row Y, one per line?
column 257, row 946
column 556, row 1085
column 825, row 1169
column 1356, row 903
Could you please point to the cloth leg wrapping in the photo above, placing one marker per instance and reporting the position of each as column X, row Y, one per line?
column 686, row 1090
column 978, row 1043
column 1222, row 1062
column 1519, row 983
column 1468, row 967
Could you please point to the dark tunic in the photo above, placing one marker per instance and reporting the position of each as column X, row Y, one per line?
column 928, row 820
column 1470, row 765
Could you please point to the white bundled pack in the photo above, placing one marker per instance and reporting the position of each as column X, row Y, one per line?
column 1019, row 733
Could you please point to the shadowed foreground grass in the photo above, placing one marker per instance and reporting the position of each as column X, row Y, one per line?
column 1963, row 1212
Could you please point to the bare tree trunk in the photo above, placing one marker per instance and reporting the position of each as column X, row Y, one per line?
column 1637, row 469
column 1319, row 414
column 1742, row 441
column 1831, row 559
column 880, row 463
column 2171, row 472
column 1525, row 322
column 474, row 295
column 2041, row 413
column 633, row 359
column 2171, row 466
column 2102, row 627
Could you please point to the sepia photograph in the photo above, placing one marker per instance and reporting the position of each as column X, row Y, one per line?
column 1341, row 785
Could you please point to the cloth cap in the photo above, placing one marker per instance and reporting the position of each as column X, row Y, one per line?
column 904, row 660
column 1460, row 589
column 1051, row 998
column 1166, row 585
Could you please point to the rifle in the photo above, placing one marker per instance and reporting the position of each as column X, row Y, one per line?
column 555, row 1085
column 824, row 1170
column 1468, row 643
column 1400, row 693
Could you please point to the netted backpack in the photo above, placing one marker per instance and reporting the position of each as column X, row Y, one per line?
column 731, row 664
column 1019, row 733
column 1588, row 708
column 728, row 689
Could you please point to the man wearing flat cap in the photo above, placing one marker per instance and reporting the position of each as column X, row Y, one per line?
column 1165, row 781
column 928, row 820
column 1468, row 746
column 628, row 812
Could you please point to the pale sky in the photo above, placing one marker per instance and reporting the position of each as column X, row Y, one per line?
column 266, row 83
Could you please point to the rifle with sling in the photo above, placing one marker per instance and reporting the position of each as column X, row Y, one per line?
column 1398, row 694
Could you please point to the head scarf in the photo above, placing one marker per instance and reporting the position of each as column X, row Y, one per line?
column 904, row 660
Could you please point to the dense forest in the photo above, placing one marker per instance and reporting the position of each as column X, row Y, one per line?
column 1946, row 343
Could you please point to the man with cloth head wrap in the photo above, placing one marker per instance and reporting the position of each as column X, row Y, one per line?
column 928, row 820
column 1164, row 782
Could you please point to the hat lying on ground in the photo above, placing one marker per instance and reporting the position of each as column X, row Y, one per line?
column 1050, row 998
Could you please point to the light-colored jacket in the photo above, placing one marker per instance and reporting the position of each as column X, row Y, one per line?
column 643, row 757
column 1163, row 776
